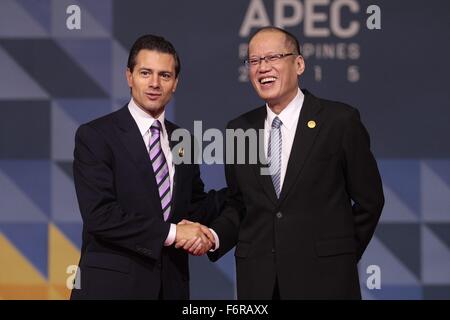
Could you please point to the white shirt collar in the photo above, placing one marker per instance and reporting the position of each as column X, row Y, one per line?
column 290, row 114
column 143, row 119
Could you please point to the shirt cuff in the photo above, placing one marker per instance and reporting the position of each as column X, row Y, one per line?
column 171, row 236
column 216, row 240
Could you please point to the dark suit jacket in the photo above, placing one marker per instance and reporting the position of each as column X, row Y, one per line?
column 312, row 237
column 122, row 254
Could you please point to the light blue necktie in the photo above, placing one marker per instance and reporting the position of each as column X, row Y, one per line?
column 274, row 154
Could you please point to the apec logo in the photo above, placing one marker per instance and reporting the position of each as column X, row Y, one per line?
column 311, row 13
column 334, row 21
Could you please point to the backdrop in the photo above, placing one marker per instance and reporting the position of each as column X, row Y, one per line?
column 58, row 71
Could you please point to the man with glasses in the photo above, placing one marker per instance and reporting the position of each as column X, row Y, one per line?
column 300, row 230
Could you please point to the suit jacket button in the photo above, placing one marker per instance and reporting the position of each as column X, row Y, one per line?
column 273, row 250
column 279, row 215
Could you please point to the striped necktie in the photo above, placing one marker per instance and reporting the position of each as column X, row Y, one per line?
column 274, row 154
column 160, row 168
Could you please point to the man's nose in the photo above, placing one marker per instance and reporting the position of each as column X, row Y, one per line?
column 154, row 81
column 264, row 66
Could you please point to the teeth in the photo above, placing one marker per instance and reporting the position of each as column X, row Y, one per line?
column 265, row 80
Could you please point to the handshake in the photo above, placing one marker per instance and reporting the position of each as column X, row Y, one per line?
column 194, row 237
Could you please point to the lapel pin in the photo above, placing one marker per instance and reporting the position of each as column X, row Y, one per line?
column 181, row 152
column 311, row 124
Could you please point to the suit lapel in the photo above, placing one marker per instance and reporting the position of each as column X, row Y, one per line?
column 129, row 135
column 265, row 180
column 303, row 141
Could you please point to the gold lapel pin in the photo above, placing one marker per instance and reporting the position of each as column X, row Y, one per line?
column 181, row 152
column 311, row 124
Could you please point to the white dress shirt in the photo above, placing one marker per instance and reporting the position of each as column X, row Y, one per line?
column 289, row 118
column 144, row 121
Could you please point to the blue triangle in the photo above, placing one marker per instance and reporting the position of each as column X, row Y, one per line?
column 72, row 230
column 40, row 10
column 84, row 110
column 441, row 168
column 101, row 10
column 403, row 177
column 31, row 239
column 442, row 231
column 86, row 53
column 33, row 178
column 406, row 249
column 66, row 167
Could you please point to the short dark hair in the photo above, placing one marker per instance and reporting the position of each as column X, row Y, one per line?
column 290, row 38
column 155, row 43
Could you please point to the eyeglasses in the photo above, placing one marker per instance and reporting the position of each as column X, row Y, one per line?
column 253, row 62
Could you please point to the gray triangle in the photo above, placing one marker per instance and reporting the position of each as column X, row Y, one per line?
column 395, row 209
column 442, row 231
column 66, row 167
column 403, row 239
column 53, row 67
column 435, row 195
column 15, row 205
column 393, row 270
column 15, row 22
column 19, row 84
column 435, row 258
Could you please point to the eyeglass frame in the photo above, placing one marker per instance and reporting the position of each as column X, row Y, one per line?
column 277, row 56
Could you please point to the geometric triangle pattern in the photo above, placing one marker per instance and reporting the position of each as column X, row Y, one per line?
column 20, row 83
column 435, row 257
column 402, row 178
column 398, row 210
column 16, row 206
column 21, row 276
column 26, row 24
column 19, row 234
column 435, row 190
column 64, row 201
column 404, row 248
column 441, row 231
column 32, row 177
column 393, row 271
column 86, row 52
column 50, row 72
column 39, row 10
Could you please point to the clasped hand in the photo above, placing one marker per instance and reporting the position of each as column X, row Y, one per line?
column 194, row 237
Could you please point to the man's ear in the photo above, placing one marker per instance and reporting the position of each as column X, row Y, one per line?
column 129, row 76
column 300, row 64
column 175, row 85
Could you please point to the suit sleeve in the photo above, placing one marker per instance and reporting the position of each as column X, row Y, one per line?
column 103, row 217
column 227, row 225
column 363, row 181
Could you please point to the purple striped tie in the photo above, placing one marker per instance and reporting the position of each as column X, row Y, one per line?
column 160, row 169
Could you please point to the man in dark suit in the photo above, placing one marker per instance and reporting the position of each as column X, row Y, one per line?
column 300, row 230
column 132, row 194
